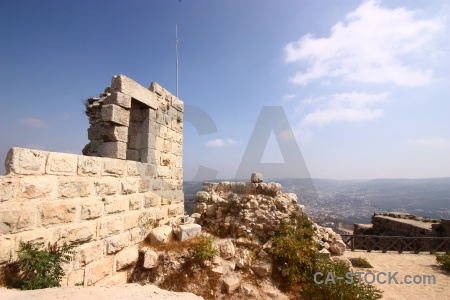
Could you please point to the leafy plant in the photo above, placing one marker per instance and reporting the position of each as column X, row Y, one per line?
column 296, row 256
column 360, row 262
column 444, row 260
column 42, row 268
column 205, row 249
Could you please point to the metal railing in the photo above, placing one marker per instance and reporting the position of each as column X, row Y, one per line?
column 396, row 243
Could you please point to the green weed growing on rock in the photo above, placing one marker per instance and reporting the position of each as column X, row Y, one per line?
column 296, row 259
column 205, row 249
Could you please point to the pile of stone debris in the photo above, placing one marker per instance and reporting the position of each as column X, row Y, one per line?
column 242, row 216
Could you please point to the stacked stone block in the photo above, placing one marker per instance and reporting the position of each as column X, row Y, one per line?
column 104, row 206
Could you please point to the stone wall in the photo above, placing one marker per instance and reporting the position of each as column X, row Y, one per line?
column 404, row 224
column 106, row 202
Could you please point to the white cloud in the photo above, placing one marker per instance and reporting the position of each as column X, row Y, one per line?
column 221, row 143
column 433, row 142
column 34, row 122
column 289, row 97
column 350, row 107
column 371, row 45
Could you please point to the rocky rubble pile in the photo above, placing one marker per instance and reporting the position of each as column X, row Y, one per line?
column 252, row 211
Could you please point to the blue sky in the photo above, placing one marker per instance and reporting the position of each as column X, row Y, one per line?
column 364, row 84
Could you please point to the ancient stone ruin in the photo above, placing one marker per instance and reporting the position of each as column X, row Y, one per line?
column 404, row 224
column 129, row 180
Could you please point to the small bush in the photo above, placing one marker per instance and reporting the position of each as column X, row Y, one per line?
column 42, row 268
column 360, row 262
column 444, row 260
column 296, row 255
column 205, row 249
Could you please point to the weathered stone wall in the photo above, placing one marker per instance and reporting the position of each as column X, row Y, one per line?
column 403, row 224
column 105, row 202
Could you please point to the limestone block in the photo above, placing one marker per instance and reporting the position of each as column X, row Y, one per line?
column 106, row 186
column 133, row 155
column 189, row 231
column 161, row 235
column 150, row 258
column 232, row 283
column 25, row 161
column 113, row 150
column 133, row 168
column 98, row 270
column 156, row 88
column 37, row 187
column 126, row 257
column 92, row 209
column 114, row 167
column 117, row 242
column 121, row 83
column 89, row 166
column 57, row 212
column 148, row 140
column 151, row 170
column 337, row 248
column 40, row 237
column 151, row 200
column 18, row 219
column 115, row 133
column 161, row 213
column 61, row 164
column 75, row 277
column 74, row 187
column 131, row 220
column 136, row 201
column 177, row 104
column 164, row 172
column 175, row 210
column 88, row 253
column 226, row 249
column 79, row 233
column 262, row 269
column 157, row 184
column 256, row 178
column 115, row 114
column 168, row 121
column 7, row 244
column 110, row 225
column 118, row 98
column 116, row 204
column 129, row 185
column 115, row 279
column 144, row 185
column 136, row 236
column 7, row 188
column 94, row 132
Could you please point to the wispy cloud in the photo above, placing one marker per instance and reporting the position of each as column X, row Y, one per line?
column 348, row 107
column 287, row 97
column 221, row 143
column 432, row 142
column 371, row 45
column 34, row 122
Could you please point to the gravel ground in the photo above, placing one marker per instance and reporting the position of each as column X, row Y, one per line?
column 406, row 264
column 125, row 292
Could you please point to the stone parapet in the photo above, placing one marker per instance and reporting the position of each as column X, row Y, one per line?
column 103, row 206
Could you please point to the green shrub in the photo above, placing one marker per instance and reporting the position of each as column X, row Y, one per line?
column 296, row 254
column 42, row 268
column 444, row 260
column 360, row 262
column 205, row 250
column 295, row 250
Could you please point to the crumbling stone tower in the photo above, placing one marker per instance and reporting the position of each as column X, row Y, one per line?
column 129, row 180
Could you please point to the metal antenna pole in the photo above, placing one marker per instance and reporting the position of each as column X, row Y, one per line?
column 176, row 47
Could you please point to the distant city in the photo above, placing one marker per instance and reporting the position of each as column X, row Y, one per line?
column 341, row 203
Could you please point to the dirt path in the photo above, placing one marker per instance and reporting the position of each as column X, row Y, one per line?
column 406, row 264
column 123, row 292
